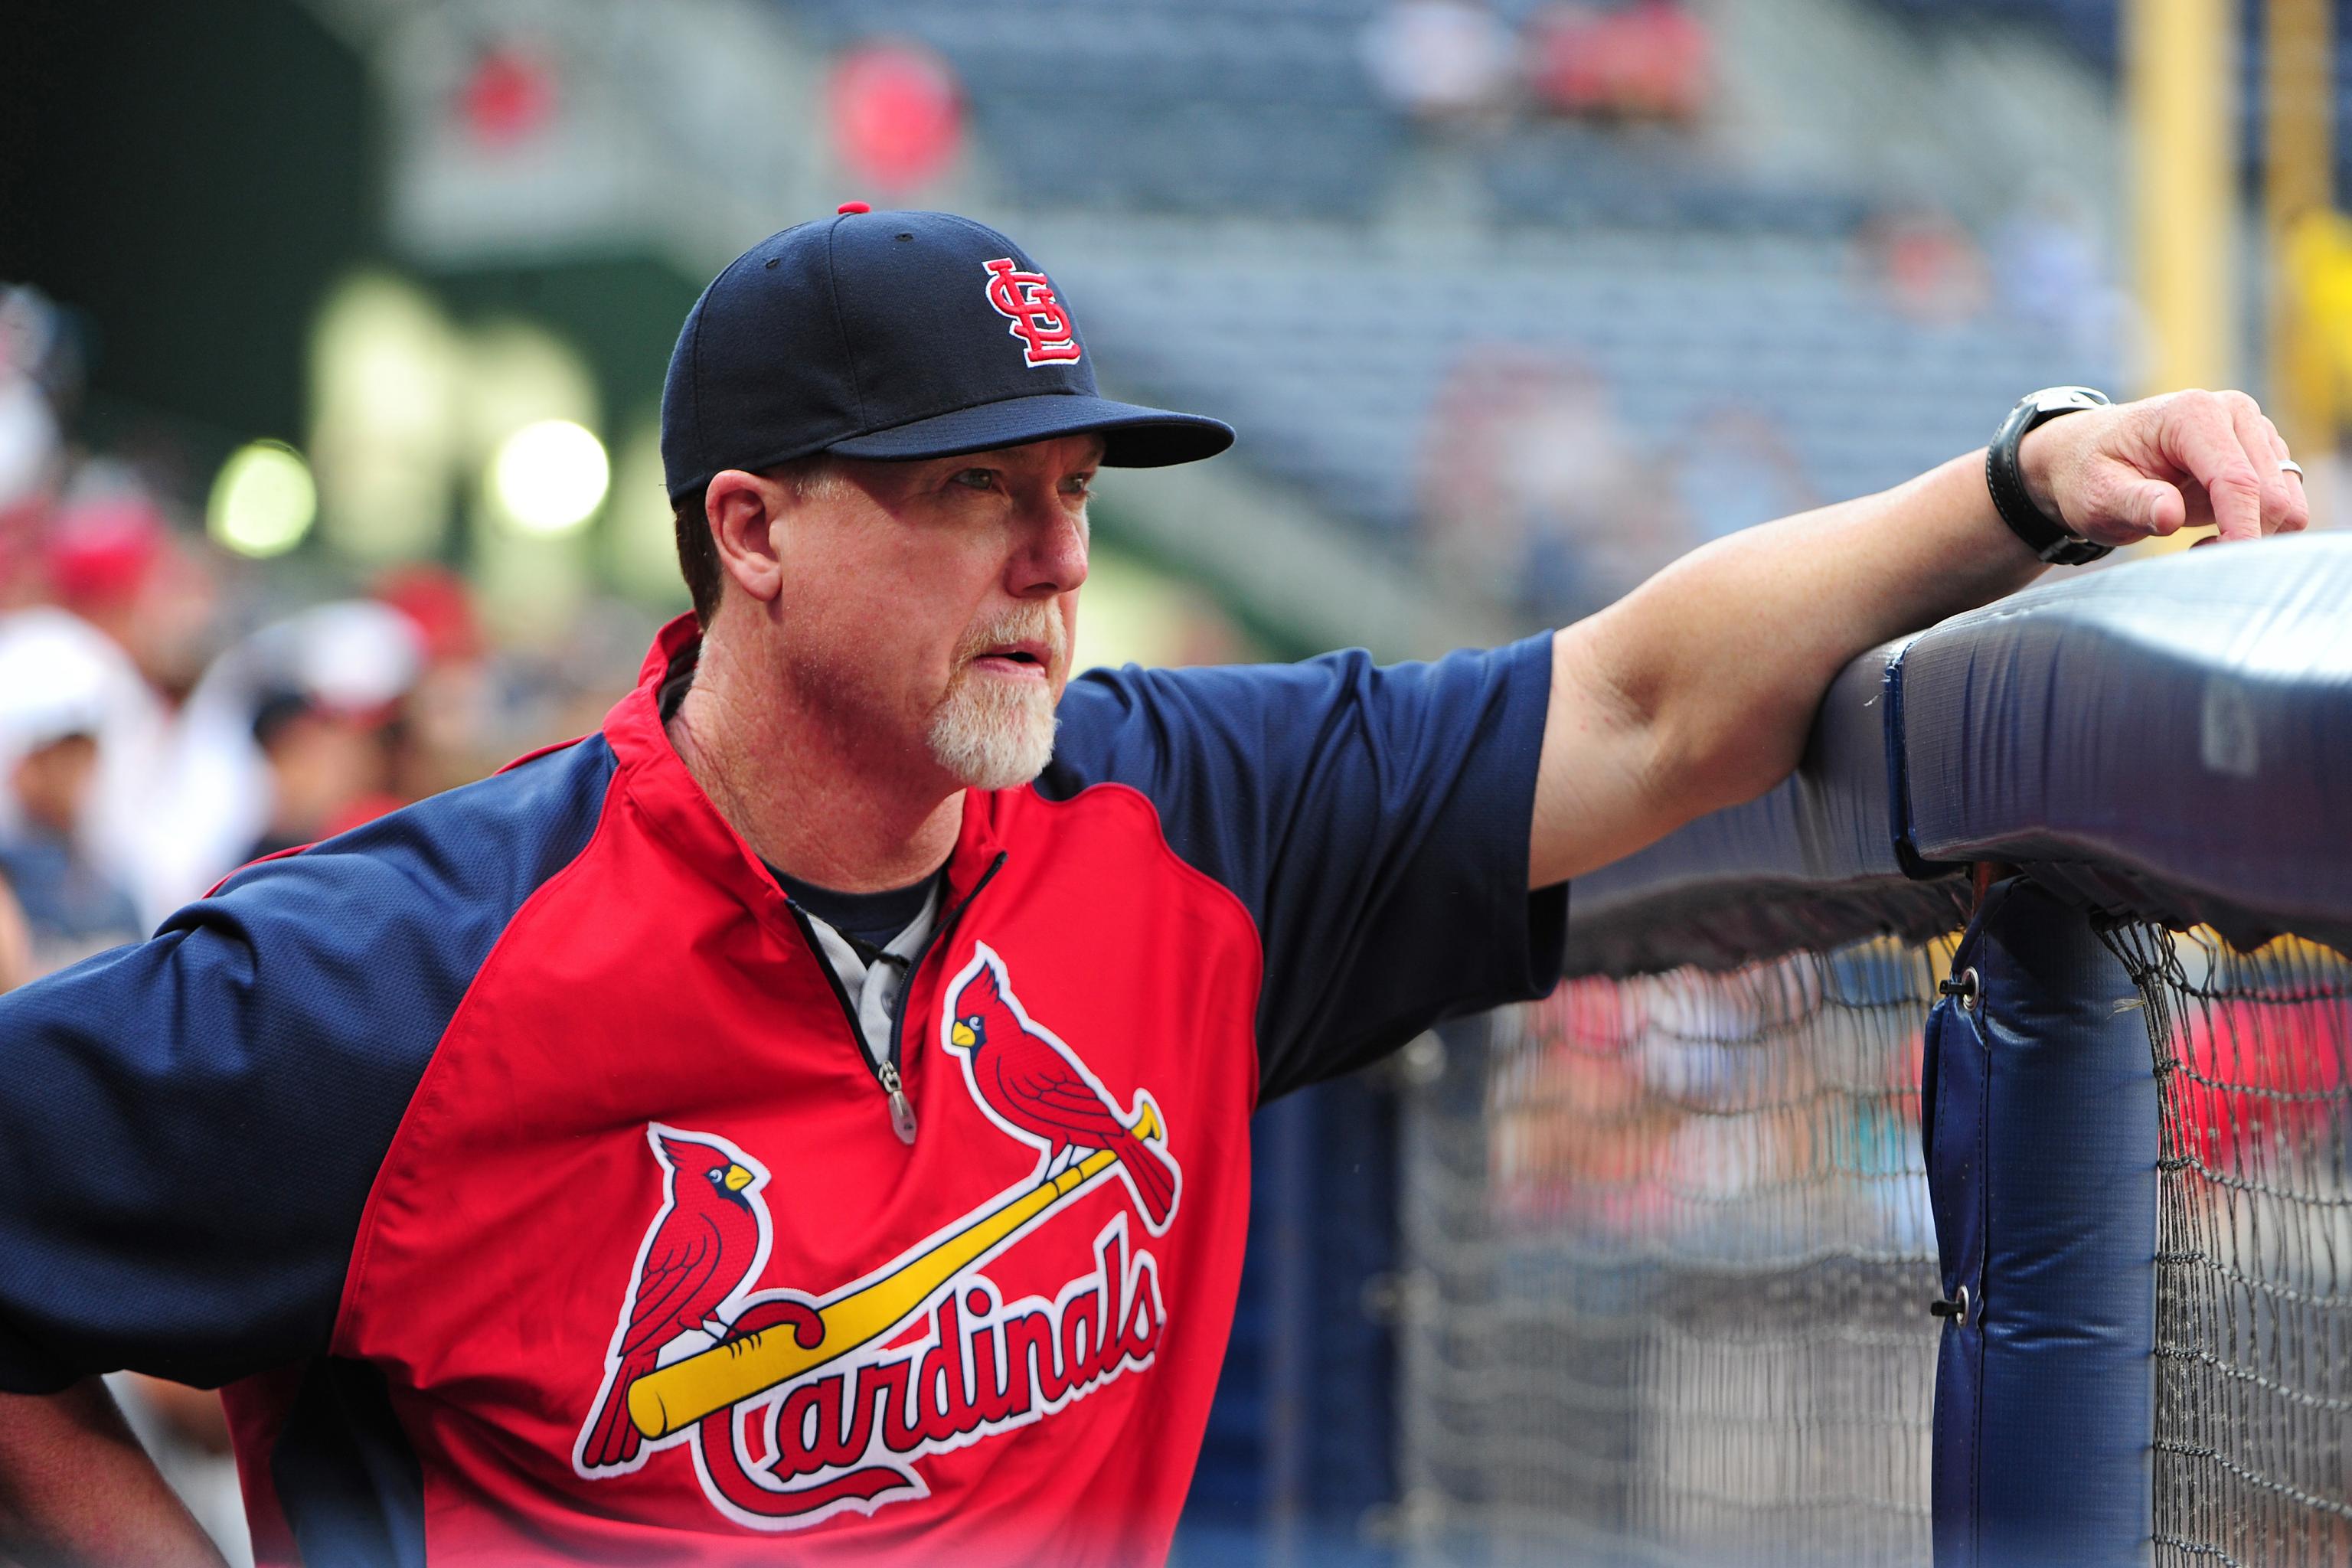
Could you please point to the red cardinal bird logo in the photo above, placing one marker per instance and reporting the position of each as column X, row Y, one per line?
column 1034, row 1087
column 701, row 1253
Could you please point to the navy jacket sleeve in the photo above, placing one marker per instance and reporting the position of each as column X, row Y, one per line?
column 189, row 1127
column 1374, row 821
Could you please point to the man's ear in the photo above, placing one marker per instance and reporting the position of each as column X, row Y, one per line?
column 743, row 507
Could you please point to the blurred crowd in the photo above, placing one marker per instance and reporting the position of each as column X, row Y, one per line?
column 169, row 711
column 1461, row 60
column 1755, row 1113
column 1540, row 496
column 1539, row 493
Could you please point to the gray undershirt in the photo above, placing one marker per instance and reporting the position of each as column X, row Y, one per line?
column 873, row 989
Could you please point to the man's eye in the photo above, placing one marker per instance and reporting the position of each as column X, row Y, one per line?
column 1079, row 484
column 976, row 479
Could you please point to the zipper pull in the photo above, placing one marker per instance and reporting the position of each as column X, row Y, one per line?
column 902, row 1109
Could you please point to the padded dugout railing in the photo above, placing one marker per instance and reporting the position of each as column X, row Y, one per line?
column 2167, row 741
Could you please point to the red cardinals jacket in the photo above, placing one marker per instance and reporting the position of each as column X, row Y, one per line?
column 514, row 1164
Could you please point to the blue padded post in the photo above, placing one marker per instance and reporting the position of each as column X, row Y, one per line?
column 2038, row 1111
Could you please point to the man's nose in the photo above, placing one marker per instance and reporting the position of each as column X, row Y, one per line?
column 1053, row 560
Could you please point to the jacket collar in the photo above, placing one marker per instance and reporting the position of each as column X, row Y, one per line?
column 678, row 812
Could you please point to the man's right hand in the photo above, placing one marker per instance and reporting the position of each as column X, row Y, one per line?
column 77, row 1488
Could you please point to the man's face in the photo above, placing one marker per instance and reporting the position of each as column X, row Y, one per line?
column 53, row 782
column 931, row 605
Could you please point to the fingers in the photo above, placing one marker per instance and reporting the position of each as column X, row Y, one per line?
column 2199, row 433
column 2284, row 507
column 2295, row 516
column 2228, row 450
column 2299, row 518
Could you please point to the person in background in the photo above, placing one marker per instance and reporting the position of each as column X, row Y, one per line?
column 329, row 768
column 1735, row 469
column 1922, row 264
column 53, row 697
column 40, row 367
column 1651, row 60
column 114, row 559
column 443, row 736
column 1533, row 488
column 1439, row 61
column 285, row 740
column 144, row 596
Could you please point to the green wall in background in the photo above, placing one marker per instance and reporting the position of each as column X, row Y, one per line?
column 189, row 179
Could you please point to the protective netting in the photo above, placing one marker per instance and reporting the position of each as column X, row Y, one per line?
column 1671, row 1257
column 2254, row 1307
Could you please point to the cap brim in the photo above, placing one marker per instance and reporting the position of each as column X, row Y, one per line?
column 1134, row 436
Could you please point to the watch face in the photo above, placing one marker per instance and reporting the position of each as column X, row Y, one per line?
column 2053, row 399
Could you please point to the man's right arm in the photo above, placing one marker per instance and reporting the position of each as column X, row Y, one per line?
column 74, row 1485
column 188, row 1131
column 147, row 1216
column 190, row 1126
column 76, row 1488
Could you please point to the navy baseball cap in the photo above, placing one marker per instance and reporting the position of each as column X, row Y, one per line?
column 898, row 335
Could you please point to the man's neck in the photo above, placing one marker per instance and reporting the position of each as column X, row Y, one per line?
column 804, row 802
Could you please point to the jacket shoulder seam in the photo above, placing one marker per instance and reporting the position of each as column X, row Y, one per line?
column 1114, row 789
column 424, row 1099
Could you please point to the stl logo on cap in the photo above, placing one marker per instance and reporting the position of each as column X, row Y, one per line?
column 1039, row 320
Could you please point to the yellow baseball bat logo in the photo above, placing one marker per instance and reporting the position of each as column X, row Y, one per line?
column 674, row 1397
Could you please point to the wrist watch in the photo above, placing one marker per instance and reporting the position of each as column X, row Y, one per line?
column 2044, row 534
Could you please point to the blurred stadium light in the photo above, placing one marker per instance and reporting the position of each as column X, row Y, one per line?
column 550, row 477
column 384, row 373
column 529, row 565
column 263, row 501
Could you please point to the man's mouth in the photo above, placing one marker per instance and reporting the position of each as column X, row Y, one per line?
column 1020, row 660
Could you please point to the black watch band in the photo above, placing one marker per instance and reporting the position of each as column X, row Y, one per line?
column 2044, row 534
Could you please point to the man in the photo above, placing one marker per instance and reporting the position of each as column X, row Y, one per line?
column 810, row 1116
column 58, row 681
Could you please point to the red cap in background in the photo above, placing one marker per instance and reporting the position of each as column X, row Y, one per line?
column 436, row 600
column 102, row 551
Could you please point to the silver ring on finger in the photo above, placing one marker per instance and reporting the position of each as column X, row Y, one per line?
column 2289, row 466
